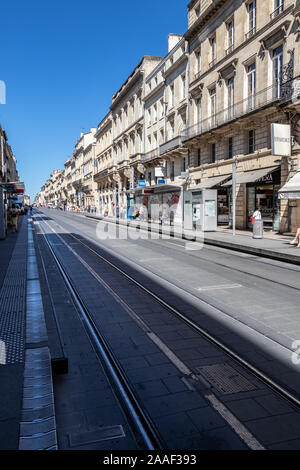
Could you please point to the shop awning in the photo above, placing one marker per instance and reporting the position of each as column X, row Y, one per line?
column 251, row 176
column 211, row 182
column 17, row 187
column 158, row 188
column 291, row 190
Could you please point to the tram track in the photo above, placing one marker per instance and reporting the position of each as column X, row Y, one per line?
column 292, row 398
column 154, row 441
column 143, row 429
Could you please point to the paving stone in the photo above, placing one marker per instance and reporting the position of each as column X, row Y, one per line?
column 248, row 409
column 276, row 429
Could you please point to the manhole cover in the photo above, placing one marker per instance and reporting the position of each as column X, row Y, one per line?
column 225, row 379
column 92, row 437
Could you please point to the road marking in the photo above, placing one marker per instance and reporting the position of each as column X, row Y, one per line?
column 173, row 358
column 162, row 258
column 234, row 423
column 219, row 286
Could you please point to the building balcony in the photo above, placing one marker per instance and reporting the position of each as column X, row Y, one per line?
column 170, row 145
column 77, row 182
column 100, row 175
column 151, row 155
column 272, row 95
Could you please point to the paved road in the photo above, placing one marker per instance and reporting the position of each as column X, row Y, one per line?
column 253, row 298
column 197, row 279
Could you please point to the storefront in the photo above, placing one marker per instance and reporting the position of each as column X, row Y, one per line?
column 223, row 196
column 262, row 188
column 263, row 194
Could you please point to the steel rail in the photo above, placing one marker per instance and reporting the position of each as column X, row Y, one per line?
column 253, row 369
column 143, row 427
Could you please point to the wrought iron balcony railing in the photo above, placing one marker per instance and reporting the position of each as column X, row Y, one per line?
column 250, row 33
column 277, row 12
column 148, row 156
column 277, row 92
column 171, row 144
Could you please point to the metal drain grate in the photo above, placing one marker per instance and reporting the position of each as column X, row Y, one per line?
column 225, row 379
column 92, row 437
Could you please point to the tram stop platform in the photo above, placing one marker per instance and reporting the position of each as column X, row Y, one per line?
column 27, row 419
column 272, row 245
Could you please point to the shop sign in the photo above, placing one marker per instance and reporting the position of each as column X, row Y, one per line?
column 159, row 171
column 161, row 181
column 142, row 183
column 147, row 191
column 281, row 139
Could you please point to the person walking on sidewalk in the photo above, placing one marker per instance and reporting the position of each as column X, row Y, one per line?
column 296, row 240
column 14, row 216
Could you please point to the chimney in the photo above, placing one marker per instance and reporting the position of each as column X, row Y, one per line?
column 173, row 39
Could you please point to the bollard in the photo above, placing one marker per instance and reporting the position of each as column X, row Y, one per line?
column 258, row 228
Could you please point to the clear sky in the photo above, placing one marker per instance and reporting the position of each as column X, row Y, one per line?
column 62, row 60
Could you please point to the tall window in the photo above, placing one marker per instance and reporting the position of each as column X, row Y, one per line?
column 278, row 8
column 199, row 157
column 171, row 128
column 230, row 36
column 251, row 141
column 155, row 113
column 213, row 107
column 197, row 62
column 171, row 95
column 126, row 119
column 251, row 18
column 183, row 86
column 251, row 84
column 230, row 147
column 213, row 50
column 149, row 116
column 213, row 153
column 161, row 108
column 277, row 59
column 230, row 98
column 132, row 145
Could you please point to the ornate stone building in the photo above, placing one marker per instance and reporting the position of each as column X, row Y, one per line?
column 244, row 75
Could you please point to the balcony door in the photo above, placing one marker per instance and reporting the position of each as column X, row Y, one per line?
column 277, row 59
column 251, row 83
column 230, row 98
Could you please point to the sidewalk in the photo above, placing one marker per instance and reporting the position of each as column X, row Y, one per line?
column 26, row 395
column 13, row 255
column 272, row 246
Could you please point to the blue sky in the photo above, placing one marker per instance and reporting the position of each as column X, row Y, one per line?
column 62, row 61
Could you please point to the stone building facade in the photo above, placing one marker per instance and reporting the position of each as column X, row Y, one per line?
column 237, row 90
column 186, row 121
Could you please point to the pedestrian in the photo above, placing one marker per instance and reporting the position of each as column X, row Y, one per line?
column 256, row 215
column 296, row 240
column 105, row 210
column 14, row 216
